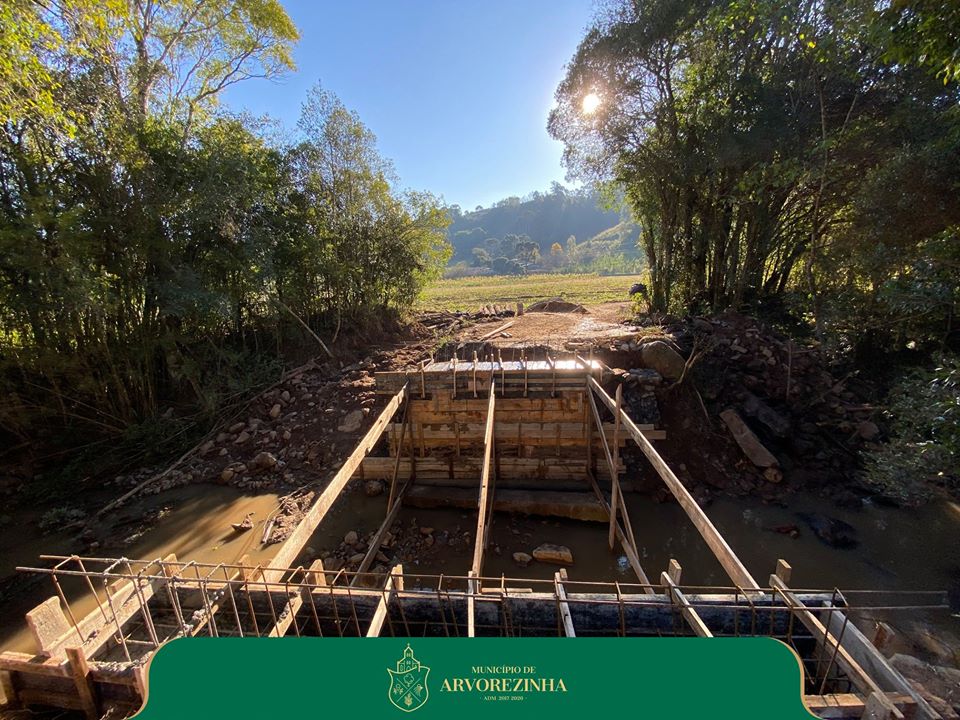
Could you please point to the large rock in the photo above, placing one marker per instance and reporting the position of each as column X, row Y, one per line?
column 351, row 422
column 774, row 421
column 264, row 461
column 522, row 559
column 548, row 552
column 662, row 358
column 835, row 533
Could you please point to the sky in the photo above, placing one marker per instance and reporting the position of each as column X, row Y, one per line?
column 457, row 92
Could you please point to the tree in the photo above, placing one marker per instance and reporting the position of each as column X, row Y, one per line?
column 739, row 133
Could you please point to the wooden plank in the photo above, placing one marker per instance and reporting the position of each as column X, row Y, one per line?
column 471, row 609
column 628, row 550
column 293, row 545
column 447, row 434
column 8, row 691
column 873, row 661
column 616, row 497
column 686, row 609
column 499, row 330
column 12, row 661
column 80, row 670
column 546, row 503
column 860, row 679
column 545, row 468
column 443, row 417
column 67, row 701
column 486, row 489
column 380, row 614
column 381, row 533
column 836, row 706
column 565, row 617
column 288, row 612
column 49, row 626
column 715, row 541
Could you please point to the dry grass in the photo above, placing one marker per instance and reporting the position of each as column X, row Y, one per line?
column 473, row 293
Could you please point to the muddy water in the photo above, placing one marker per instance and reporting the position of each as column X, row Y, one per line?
column 900, row 549
column 196, row 526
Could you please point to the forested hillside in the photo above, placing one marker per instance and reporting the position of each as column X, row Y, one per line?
column 156, row 250
column 558, row 230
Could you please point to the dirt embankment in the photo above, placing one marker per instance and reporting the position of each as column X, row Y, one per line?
column 755, row 412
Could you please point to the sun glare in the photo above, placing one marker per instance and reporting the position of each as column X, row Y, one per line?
column 590, row 103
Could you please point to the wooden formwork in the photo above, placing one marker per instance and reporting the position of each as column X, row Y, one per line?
column 495, row 429
column 98, row 667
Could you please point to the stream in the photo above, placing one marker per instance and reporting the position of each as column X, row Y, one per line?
column 899, row 549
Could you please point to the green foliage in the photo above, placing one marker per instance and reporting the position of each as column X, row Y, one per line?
column 924, row 450
column 767, row 147
column 148, row 256
column 924, row 33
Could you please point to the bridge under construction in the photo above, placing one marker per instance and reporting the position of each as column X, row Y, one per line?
column 492, row 426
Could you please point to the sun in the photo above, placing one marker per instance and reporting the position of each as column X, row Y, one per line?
column 591, row 102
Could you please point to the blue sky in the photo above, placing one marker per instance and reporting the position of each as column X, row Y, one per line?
column 456, row 92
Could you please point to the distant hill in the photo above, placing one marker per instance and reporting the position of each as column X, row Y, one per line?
column 527, row 232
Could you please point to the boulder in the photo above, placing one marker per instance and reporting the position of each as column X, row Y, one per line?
column 351, row 422
column 662, row 358
column 867, row 430
column 373, row 488
column 835, row 533
column 559, row 554
column 275, row 411
column 264, row 461
column 522, row 559
column 774, row 421
column 351, row 538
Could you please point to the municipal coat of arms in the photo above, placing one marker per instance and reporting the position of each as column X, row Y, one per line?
column 408, row 683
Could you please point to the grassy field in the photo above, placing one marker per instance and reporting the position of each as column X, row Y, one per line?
column 472, row 293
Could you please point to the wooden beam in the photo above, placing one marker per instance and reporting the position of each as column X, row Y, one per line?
column 380, row 614
column 471, row 610
column 724, row 554
column 615, row 487
column 381, row 533
column 299, row 538
column 80, row 670
column 445, row 433
column 565, row 617
column 873, row 661
column 686, row 609
column 616, row 497
column 499, row 330
column 860, row 679
column 464, row 467
column 485, row 509
column 836, row 706
column 399, row 444
column 628, row 550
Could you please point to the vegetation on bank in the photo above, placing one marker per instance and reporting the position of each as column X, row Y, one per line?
column 798, row 156
column 156, row 251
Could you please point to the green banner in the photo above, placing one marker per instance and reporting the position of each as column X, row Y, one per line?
column 467, row 678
